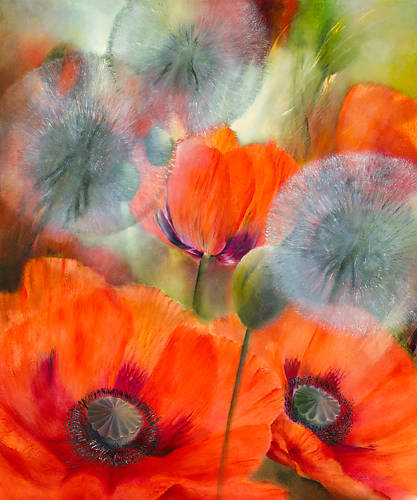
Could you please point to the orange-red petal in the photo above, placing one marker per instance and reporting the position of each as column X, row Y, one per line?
column 271, row 169
column 208, row 195
column 219, row 194
column 377, row 118
column 243, row 490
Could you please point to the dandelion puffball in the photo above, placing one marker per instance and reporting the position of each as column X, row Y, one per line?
column 200, row 59
column 73, row 148
column 347, row 236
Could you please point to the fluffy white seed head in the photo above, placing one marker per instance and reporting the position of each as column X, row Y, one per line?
column 71, row 154
column 200, row 59
column 347, row 235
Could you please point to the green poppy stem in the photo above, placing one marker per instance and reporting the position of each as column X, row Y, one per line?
column 236, row 387
column 198, row 288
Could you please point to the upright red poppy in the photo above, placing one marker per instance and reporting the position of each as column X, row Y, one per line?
column 348, row 419
column 116, row 393
column 219, row 193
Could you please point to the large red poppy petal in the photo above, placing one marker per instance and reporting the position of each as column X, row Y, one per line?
column 295, row 446
column 193, row 365
column 385, row 411
column 83, row 486
column 182, row 374
column 44, row 283
column 244, row 490
column 200, row 460
column 24, row 460
column 390, row 476
column 150, row 489
column 154, row 317
column 77, row 324
column 259, row 397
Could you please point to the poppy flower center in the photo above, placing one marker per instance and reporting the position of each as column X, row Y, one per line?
column 315, row 407
column 116, row 421
column 317, row 403
column 187, row 59
column 112, row 428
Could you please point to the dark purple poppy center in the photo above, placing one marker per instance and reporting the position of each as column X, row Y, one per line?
column 317, row 403
column 111, row 427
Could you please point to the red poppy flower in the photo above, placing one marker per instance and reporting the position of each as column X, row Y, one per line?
column 377, row 118
column 219, row 193
column 348, row 420
column 112, row 393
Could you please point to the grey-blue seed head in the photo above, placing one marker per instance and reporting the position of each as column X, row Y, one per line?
column 347, row 234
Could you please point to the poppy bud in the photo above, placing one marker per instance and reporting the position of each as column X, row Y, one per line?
column 258, row 299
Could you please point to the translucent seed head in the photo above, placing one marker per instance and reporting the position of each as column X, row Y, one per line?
column 73, row 152
column 200, row 59
column 347, row 233
column 187, row 59
column 80, row 164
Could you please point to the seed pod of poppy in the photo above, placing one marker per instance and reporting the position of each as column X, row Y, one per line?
column 258, row 299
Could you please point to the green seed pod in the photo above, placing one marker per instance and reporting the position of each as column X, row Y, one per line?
column 258, row 299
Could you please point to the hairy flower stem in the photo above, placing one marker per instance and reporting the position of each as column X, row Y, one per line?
column 236, row 387
column 198, row 288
